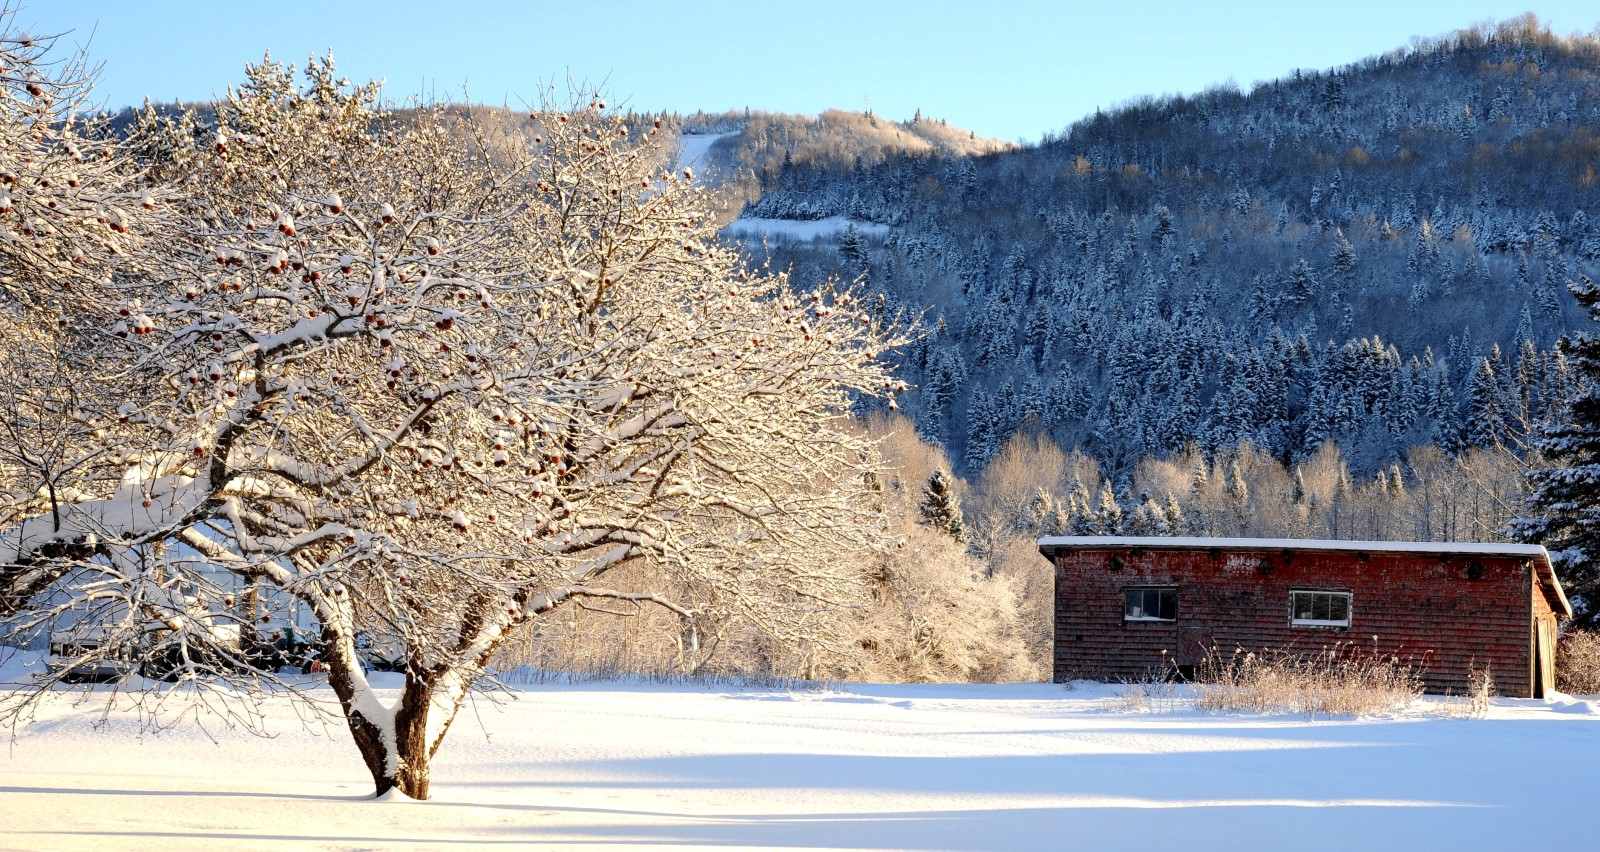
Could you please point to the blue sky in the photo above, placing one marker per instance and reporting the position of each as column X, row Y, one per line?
column 1008, row 70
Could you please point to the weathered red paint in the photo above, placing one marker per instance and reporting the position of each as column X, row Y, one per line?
column 1442, row 611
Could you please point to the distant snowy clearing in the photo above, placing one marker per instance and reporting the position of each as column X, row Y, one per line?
column 801, row 230
column 948, row 767
column 694, row 149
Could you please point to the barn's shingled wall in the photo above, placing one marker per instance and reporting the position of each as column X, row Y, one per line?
column 1435, row 610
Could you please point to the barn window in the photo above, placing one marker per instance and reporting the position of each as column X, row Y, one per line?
column 1150, row 604
column 1319, row 609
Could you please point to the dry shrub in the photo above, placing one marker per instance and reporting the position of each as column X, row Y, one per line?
column 1480, row 695
column 1154, row 692
column 1481, row 689
column 928, row 611
column 595, row 642
column 1578, row 663
column 1335, row 681
column 1476, row 703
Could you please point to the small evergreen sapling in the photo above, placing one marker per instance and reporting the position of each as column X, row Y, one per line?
column 941, row 508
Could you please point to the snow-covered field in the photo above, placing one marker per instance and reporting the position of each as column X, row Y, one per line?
column 799, row 230
column 1030, row 766
column 694, row 149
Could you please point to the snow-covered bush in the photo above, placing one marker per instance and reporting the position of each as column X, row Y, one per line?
column 930, row 611
column 936, row 618
column 937, row 612
column 1578, row 663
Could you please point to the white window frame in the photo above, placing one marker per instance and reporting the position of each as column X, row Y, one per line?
column 1349, row 608
column 1150, row 618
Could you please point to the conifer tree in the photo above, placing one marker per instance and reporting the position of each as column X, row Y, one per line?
column 1485, row 410
column 1083, row 519
column 1302, row 284
column 1343, row 258
column 852, row 250
column 983, row 440
column 1163, row 232
column 1036, row 515
column 941, row 508
column 1562, row 511
column 1237, row 490
column 1108, row 511
column 1149, row 519
column 1177, row 520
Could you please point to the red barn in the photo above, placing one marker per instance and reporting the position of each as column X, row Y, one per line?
column 1121, row 602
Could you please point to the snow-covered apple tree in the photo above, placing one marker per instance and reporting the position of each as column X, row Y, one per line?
column 433, row 386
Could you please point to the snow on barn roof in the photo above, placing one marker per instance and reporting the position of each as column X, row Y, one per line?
column 1081, row 542
column 1051, row 545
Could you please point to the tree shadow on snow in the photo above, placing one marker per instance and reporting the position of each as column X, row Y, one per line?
column 1375, row 785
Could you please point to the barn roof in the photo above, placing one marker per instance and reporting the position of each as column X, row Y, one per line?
column 1051, row 545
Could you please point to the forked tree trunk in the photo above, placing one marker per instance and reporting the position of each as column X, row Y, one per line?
column 395, row 745
column 399, row 761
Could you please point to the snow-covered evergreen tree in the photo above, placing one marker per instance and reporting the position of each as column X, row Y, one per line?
column 940, row 508
column 1484, row 412
column 1108, row 512
column 983, row 430
column 1562, row 510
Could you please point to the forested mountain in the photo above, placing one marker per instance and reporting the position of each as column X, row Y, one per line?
column 1375, row 256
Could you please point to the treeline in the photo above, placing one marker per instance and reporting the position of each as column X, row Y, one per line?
column 1034, row 488
column 967, row 595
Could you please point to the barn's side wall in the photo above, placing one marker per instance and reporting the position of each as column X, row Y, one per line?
column 1421, row 607
column 1540, row 603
